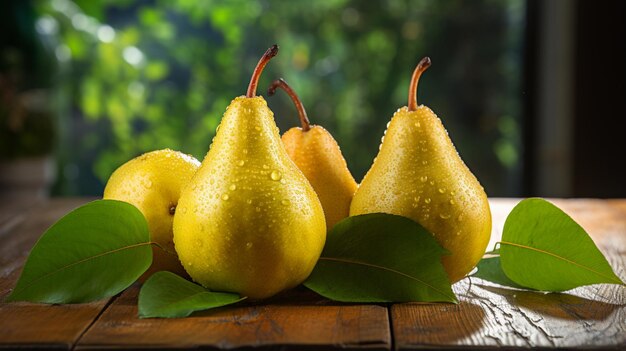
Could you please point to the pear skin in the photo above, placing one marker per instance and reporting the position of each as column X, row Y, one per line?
column 153, row 182
column 419, row 174
column 316, row 153
column 249, row 222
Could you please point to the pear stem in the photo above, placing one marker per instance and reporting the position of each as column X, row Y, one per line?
column 280, row 83
column 254, row 80
column 421, row 67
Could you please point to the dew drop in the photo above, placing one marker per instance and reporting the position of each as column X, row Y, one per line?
column 232, row 187
column 424, row 162
column 225, row 197
column 417, row 124
column 257, row 128
column 442, row 190
column 452, row 193
column 416, row 199
column 444, row 215
column 245, row 151
column 427, row 200
column 266, row 167
column 248, row 245
column 241, row 163
column 275, row 175
column 284, row 201
column 451, row 202
column 423, row 179
column 432, row 182
column 249, row 201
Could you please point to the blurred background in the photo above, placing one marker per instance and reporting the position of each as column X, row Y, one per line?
column 531, row 92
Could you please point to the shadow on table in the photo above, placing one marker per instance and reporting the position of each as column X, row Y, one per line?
column 558, row 305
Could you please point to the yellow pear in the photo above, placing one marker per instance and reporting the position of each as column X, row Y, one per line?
column 249, row 222
column 319, row 157
column 419, row 174
column 152, row 182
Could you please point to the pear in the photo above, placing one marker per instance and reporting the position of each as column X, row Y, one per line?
column 249, row 222
column 314, row 150
column 152, row 182
column 419, row 174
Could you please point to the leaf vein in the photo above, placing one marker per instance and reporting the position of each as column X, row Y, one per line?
column 29, row 284
column 561, row 258
column 390, row 270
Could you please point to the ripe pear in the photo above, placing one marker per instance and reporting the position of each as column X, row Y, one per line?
column 419, row 174
column 152, row 182
column 316, row 153
column 249, row 222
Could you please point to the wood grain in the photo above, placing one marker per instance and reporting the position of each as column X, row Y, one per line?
column 491, row 316
column 487, row 316
column 27, row 325
column 295, row 320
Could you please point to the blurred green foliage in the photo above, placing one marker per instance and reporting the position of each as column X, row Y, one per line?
column 141, row 75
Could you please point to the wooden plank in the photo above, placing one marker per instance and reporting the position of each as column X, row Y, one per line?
column 27, row 325
column 298, row 319
column 13, row 211
column 491, row 316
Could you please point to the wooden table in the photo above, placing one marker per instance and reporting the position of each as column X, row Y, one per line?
column 487, row 316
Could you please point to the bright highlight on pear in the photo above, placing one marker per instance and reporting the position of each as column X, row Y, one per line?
column 249, row 222
column 419, row 174
column 313, row 149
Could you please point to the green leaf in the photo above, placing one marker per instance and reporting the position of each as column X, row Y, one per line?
column 542, row 248
column 167, row 295
column 95, row 251
column 489, row 269
column 381, row 258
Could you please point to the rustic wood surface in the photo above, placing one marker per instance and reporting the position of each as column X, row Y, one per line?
column 487, row 316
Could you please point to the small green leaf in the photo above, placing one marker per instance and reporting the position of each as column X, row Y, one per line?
column 489, row 269
column 381, row 258
column 542, row 248
column 166, row 295
column 95, row 251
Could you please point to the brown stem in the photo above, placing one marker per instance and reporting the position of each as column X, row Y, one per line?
column 280, row 83
column 254, row 80
column 421, row 67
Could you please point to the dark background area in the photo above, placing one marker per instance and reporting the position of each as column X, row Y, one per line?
column 531, row 92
